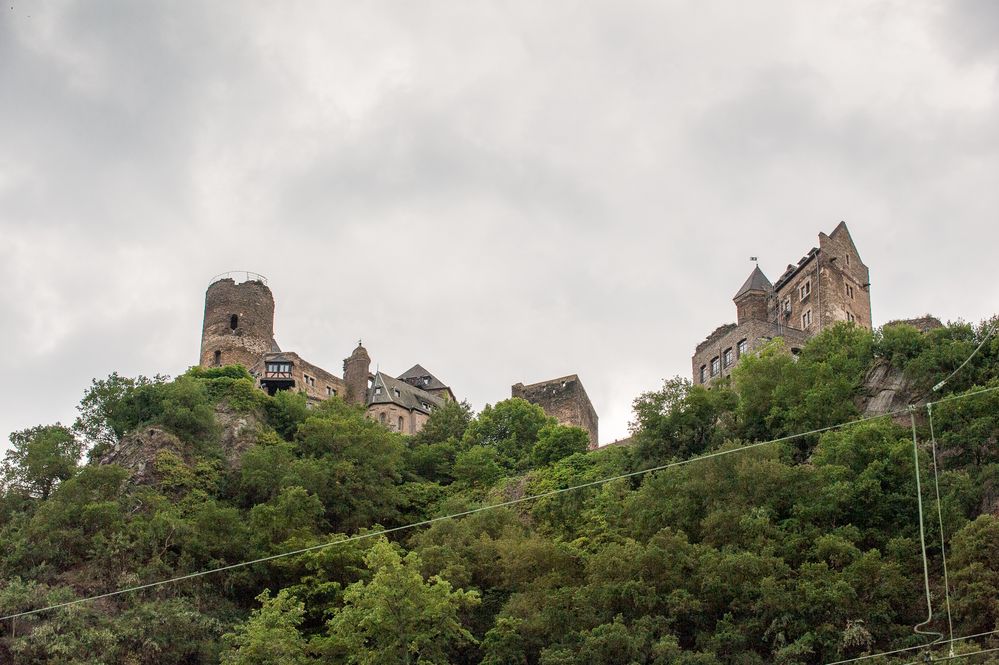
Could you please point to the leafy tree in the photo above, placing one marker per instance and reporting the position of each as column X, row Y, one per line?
column 109, row 409
column 479, row 466
column 556, row 442
column 511, row 427
column 680, row 420
column 270, row 636
column 398, row 617
column 39, row 458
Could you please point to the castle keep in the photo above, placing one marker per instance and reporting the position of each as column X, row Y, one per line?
column 565, row 400
column 828, row 285
column 238, row 329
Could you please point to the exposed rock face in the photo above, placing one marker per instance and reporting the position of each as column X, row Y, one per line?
column 137, row 452
column 885, row 389
column 238, row 432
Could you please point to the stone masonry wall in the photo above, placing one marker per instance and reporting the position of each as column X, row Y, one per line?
column 843, row 294
column 564, row 399
column 727, row 338
column 317, row 383
column 252, row 304
column 412, row 421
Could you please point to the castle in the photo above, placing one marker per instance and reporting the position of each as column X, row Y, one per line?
column 238, row 329
column 828, row 285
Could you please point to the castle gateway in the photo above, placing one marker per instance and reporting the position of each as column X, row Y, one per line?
column 828, row 285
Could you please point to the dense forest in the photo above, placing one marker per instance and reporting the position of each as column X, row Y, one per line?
column 803, row 550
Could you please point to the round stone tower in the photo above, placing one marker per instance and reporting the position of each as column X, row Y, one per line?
column 355, row 375
column 239, row 321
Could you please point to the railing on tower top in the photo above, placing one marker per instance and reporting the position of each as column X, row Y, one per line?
column 239, row 276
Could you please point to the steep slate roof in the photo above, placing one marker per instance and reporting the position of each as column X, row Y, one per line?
column 408, row 397
column 757, row 281
column 415, row 375
column 793, row 270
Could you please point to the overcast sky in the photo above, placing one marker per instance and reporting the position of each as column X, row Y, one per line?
column 502, row 192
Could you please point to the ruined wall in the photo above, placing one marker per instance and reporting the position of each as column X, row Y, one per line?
column 238, row 327
column 564, row 399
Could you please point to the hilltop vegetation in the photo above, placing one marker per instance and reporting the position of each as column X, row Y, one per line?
column 801, row 551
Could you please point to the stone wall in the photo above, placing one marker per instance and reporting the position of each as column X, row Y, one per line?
column 317, row 383
column 845, row 286
column 238, row 327
column 389, row 415
column 727, row 338
column 564, row 399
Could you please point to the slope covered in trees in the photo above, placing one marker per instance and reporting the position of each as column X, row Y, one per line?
column 801, row 551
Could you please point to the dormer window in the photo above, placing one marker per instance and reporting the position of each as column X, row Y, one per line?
column 426, row 380
column 396, row 391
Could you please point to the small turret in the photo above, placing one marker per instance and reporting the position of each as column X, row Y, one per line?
column 751, row 300
column 356, row 370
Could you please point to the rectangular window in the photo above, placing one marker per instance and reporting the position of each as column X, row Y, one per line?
column 806, row 319
column 715, row 366
column 279, row 369
column 805, row 289
column 849, row 291
column 850, row 317
column 786, row 306
column 378, row 390
column 704, row 373
column 743, row 347
column 727, row 357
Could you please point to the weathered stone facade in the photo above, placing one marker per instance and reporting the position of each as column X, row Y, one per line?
column 239, row 329
column 564, row 399
column 287, row 370
column 828, row 285
column 238, row 326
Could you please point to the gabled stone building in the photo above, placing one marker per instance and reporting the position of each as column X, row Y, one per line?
column 828, row 285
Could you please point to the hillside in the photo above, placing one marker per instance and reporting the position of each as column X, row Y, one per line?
column 805, row 549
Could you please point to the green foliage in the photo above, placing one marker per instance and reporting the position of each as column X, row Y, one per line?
column 791, row 552
column 557, row 442
column 270, row 636
column 511, row 427
column 110, row 408
column 680, row 420
column 39, row 458
column 398, row 616
column 286, row 411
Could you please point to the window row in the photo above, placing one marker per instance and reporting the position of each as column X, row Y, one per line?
column 726, row 360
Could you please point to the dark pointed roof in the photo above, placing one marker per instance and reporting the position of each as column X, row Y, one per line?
column 757, row 281
column 418, row 376
column 386, row 390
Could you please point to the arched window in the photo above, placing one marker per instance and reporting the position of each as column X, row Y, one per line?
column 381, row 418
column 400, row 423
column 218, row 358
column 233, row 322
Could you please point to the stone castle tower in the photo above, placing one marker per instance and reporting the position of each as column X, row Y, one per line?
column 239, row 321
column 829, row 285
